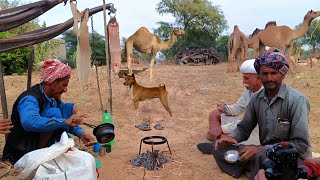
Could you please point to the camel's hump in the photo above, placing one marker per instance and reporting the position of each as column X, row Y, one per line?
column 142, row 30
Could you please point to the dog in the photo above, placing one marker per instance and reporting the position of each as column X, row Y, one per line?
column 141, row 93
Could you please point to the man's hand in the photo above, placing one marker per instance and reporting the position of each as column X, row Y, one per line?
column 224, row 141
column 220, row 107
column 261, row 175
column 86, row 138
column 5, row 126
column 76, row 119
column 248, row 152
column 75, row 109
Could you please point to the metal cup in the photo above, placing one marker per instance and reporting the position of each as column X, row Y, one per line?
column 102, row 151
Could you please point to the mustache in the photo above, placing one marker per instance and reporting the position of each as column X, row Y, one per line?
column 268, row 82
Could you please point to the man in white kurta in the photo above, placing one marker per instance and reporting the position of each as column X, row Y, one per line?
column 225, row 118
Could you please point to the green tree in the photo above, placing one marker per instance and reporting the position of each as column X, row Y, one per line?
column 222, row 47
column 202, row 22
column 97, row 44
column 13, row 60
column 165, row 31
column 312, row 38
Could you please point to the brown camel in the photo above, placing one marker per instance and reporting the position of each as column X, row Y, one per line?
column 270, row 23
column 237, row 48
column 282, row 36
column 145, row 42
column 254, row 42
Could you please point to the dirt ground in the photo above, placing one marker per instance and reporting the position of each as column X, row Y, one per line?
column 193, row 93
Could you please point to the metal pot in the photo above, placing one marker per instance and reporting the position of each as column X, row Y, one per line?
column 103, row 132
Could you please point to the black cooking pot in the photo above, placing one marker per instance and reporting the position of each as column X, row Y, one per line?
column 103, row 132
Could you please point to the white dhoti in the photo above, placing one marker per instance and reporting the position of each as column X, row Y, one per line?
column 229, row 123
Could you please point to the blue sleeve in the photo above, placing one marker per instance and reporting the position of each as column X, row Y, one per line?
column 76, row 130
column 67, row 111
column 31, row 120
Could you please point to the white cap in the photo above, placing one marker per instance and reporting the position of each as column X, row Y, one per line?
column 248, row 67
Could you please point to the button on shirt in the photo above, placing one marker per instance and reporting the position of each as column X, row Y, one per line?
column 32, row 121
column 283, row 118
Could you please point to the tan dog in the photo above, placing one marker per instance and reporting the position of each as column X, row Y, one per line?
column 141, row 93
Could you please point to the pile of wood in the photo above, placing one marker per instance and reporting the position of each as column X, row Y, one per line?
column 197, row 57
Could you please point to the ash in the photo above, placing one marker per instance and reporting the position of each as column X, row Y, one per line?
column 149, row 160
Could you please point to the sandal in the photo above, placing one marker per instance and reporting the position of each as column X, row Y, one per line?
column 144, row 126
column 158, row 126
column 205, row 148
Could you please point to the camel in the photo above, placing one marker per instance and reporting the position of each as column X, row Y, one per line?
column 270, row 23
column 145, row 42
column 237, row 48
column 282, row 36
column 254, row 42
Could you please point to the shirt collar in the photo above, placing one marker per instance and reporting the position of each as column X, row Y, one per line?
column 282, row 92
column 51, row 100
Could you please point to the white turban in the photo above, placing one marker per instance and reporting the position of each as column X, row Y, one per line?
column 248, row 67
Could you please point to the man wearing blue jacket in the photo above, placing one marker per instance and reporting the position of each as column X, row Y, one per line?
column 39, row 117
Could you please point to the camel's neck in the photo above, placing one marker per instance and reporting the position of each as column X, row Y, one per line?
column 251, row 41
column 168, row 44
column 303, row 29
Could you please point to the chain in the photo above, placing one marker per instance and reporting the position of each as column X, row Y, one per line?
column 96, row 64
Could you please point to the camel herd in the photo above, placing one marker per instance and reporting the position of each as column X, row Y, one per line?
column 273, row 36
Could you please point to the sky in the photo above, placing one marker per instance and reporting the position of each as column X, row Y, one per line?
column 133, row 14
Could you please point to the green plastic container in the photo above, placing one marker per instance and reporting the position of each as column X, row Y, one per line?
column 107, row 118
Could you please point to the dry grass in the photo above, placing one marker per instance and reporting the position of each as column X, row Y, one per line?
column 193, row 93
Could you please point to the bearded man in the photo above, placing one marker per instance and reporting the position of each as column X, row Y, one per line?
column 39, row 117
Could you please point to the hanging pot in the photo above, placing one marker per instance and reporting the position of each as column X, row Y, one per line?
column 103, row 132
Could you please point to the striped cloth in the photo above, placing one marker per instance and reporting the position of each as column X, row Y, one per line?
column 53, row 69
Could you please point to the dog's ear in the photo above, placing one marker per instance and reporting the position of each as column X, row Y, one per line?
column 125, row 74
column 132, row 75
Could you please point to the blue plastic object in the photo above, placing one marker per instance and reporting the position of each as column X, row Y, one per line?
column 96, row 147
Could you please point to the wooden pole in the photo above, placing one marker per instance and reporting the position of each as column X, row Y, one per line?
column 30, row 66
column 107, row 55
column 3, row 93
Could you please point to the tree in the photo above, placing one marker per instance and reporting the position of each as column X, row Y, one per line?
column 312, row 38
column 16, row 61
column 71, row 47
column 222, row 46
column 202, row 22
column 97, row 44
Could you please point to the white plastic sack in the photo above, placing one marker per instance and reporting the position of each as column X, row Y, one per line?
column 59, row 161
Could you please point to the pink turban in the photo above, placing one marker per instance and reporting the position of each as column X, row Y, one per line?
column 53, row 69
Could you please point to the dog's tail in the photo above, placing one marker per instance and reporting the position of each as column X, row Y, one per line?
column 162, row 86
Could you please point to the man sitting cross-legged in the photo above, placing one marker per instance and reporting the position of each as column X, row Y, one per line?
column 225, row 118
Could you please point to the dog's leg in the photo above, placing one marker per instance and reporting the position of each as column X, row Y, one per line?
column 136, row 103
column 164, row 101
